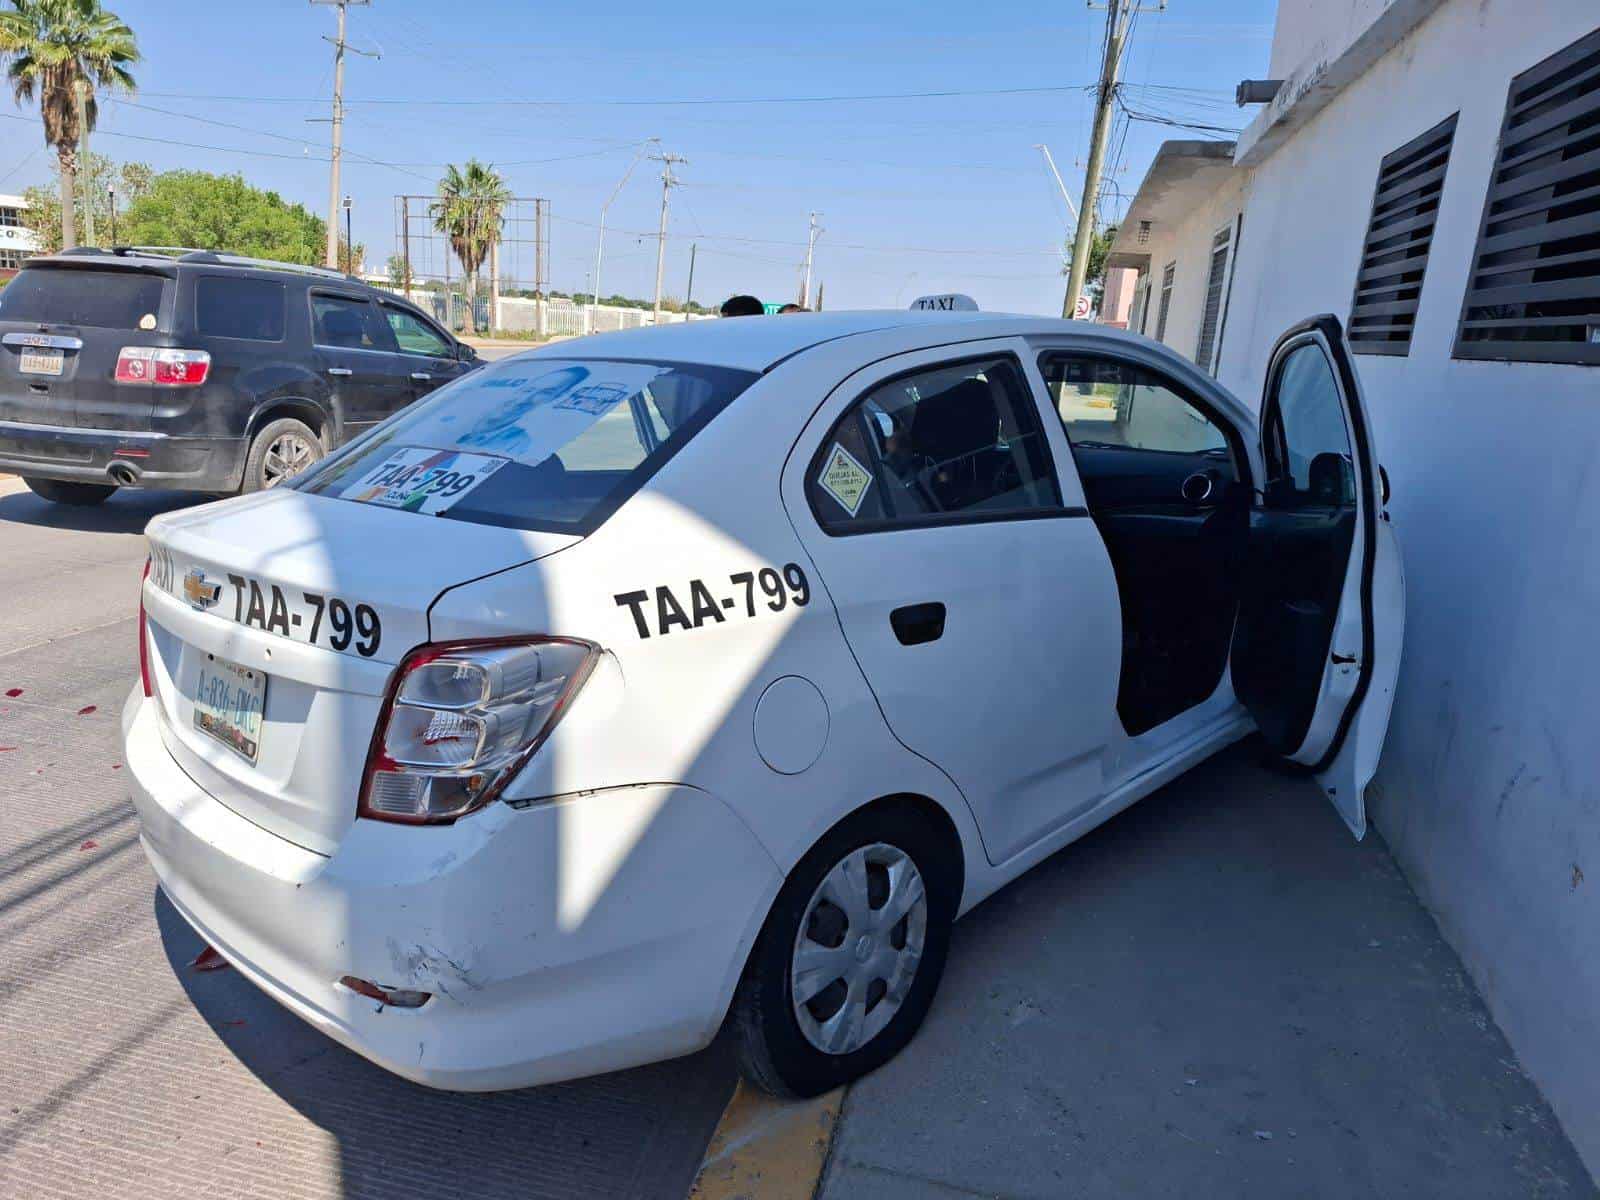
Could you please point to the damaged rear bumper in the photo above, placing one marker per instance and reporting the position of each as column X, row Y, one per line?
column 570, row 938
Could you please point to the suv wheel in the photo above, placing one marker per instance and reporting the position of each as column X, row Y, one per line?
column 281, row 450
column 847, row 964
column 58, row 491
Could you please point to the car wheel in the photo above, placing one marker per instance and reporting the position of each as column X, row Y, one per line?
column 281, row 450
column 847, row 964
column 81, row 495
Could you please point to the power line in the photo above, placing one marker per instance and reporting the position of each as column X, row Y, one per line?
column 722, row 101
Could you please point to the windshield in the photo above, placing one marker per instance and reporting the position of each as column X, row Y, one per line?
column 76, row 296
column 545, row 443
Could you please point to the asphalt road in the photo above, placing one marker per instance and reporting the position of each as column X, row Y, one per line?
column 125, row 1073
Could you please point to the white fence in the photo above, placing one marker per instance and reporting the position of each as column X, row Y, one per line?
column 563, row 317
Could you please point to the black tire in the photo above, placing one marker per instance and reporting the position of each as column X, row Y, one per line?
column 79, row 495
column 265, row 465
column 772, row 1051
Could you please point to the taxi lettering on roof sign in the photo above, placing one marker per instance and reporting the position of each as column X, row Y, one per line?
column 945, row 302
column 726, row 664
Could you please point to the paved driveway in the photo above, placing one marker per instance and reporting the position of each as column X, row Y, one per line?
column 123, row 1073
column 1218, row 994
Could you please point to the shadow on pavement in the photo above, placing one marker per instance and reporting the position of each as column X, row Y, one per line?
column 638, row 1133
column 127, row 511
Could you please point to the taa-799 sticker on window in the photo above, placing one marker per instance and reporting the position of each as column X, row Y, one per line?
column 417, row 479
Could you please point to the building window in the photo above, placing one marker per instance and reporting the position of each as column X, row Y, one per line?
column 1211, row 316
column 10, row 218
column 1167, row 273
column 1399, row 235
column 10, row 260
column 1534, row 291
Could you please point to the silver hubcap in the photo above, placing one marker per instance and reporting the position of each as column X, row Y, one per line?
column 288, row 455
column 860, row 941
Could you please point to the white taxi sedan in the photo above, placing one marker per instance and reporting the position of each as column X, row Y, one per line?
column 706, row 675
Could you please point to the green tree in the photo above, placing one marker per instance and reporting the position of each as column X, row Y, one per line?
column 96, row 173
column 469, row 213
column 65, row 51
column 395, row 268
column 1094, row 278
column 223, row 212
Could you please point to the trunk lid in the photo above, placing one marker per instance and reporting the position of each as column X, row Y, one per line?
column 74, row 317
column 321, row 597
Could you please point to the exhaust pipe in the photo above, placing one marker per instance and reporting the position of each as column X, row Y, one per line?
column 123, row 474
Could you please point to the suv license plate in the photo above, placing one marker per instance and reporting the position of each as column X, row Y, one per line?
column 228, row 703
column 42, row 362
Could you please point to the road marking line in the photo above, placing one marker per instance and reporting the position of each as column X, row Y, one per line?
column 768, row 1149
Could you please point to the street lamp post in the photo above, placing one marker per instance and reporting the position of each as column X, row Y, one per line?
column 349, row 243
column 111, row 195
column 600, row 242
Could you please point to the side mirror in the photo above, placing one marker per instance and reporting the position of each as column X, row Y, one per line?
column 466, row 353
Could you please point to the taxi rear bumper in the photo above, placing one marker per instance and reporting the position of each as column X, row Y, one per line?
column 572, row 937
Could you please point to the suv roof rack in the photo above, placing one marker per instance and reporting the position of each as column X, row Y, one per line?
column 241, row 260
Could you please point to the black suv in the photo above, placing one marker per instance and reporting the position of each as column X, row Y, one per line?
column 205, row 371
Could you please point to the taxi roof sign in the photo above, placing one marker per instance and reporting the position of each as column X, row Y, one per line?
column 945, row 302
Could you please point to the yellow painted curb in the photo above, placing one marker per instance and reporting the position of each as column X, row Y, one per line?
column 768, row 1149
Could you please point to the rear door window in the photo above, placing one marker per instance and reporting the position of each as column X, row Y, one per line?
column 97, row 299
column 239, row 308
column 939, row 445
column 346, row 323
column 548, row 444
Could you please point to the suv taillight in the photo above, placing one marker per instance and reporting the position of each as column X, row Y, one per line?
column 144, row 649
column 162, row 368
column 461, row 719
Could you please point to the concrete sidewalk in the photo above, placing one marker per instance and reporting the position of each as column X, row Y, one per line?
column 1218, row 994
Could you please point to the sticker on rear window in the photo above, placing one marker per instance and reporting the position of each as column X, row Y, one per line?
column 418, row 479
column 845, row 479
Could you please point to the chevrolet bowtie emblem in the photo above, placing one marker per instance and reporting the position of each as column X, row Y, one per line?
column 200, row 591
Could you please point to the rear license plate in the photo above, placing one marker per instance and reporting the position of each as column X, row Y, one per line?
column 228, row 703
column 42, row 362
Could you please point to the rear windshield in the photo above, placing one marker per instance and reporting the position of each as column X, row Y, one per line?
column 98, row 299
column 544, row 443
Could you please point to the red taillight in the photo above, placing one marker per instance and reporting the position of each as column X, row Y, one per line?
column 461, row 719
column 159, row 367
column 144, row 649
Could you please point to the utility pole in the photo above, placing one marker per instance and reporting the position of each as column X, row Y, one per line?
column 1119, row 14
column 813, row 233
column 600, row 242
column 339, row 46
column 668, row 182
column 688, row 292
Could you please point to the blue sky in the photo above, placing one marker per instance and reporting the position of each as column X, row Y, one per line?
column 918, row 195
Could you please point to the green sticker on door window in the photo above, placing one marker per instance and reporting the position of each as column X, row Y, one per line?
column 845, row 479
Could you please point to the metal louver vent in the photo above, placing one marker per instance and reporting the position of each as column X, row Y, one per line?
column 1395, row 255
column 1534, row 291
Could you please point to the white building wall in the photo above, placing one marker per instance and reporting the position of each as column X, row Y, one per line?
column 1189, row 245
column 1489, row 790
column 1306, row 32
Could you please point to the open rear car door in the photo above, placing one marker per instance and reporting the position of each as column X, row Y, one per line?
column 1317, row 646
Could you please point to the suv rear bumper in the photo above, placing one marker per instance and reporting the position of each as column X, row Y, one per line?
column 88, row 456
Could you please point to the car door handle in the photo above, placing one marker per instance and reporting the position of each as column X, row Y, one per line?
column 420, row 376
column 340, row 371
column 918, row 623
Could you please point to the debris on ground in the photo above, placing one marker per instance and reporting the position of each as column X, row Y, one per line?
column 209, row 960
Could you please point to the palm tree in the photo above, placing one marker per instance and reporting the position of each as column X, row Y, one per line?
column 66, row 51
column 468, row 212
